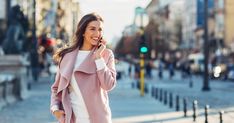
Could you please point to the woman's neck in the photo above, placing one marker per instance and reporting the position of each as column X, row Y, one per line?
column 86, row 47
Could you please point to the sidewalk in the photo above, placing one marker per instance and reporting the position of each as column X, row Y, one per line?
column 129, row 107
column 220, row 97
column 34, row 109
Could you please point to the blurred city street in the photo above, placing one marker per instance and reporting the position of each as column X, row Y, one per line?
column 174, row 59
column 129, row 107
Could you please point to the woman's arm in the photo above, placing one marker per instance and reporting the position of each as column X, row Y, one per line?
column 107, row 74
column 55, row 101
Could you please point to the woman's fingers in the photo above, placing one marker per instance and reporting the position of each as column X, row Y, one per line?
column 59, row 113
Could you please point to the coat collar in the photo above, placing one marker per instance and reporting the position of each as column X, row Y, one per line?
column 68, row 62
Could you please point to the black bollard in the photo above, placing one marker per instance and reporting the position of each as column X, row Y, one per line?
column 195, row 110
column 206, row 113
column 185, row 107
column 152, row 91
column 177, row 103
column 190, row 82
column 133, row 85
column 156, row 93
column 138, row 84
column 171, row 100
column 165, row 97
column 146, row 90
column 160, row 95
column 221, row 116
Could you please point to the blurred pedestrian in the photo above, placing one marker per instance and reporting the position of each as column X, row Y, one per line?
column 160, row 69
column 130, row 70
column 85, row 74
column 171, row 70
column 136, row 71
column 148, row 69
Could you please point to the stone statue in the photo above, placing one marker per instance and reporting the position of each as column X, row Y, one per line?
column 15, row 35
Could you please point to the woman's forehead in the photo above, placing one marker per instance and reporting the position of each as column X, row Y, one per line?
column 98, row 24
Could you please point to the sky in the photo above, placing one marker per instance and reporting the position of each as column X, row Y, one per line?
column 116, row 13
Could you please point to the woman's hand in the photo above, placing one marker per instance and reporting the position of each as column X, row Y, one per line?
column 59, row 114
column 100, row 49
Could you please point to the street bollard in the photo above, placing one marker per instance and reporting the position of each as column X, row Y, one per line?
column 177, row 103
column 190, row 82
column 160, row 95
column 165, row 97
column 133, row 85
column 152, row 91
column 221, row 116
column 195, row 110
column 156, row 93
column 185, row 107
column 146, row 90
column 138, row 84
column 171, row 100
column 206, row 113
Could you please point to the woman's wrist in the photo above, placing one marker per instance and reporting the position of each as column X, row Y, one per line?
column 98, row 56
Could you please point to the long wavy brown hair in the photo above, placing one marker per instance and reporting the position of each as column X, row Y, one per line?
column 78, row 38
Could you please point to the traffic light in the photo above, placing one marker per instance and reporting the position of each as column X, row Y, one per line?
column 143, row 48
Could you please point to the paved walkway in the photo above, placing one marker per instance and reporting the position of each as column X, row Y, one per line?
column 128, row 106
column 220, row 97
column 34, row 109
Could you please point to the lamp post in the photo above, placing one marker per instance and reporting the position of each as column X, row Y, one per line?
column 33, row 51
column 143, row 50
column 206, row 49
column 34, row 26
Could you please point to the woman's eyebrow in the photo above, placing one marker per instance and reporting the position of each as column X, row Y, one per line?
column 91, row 27
column 94, row 27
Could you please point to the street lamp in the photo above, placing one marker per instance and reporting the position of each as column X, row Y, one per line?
column 206, row 49
column 142, row 47
column 34, row 26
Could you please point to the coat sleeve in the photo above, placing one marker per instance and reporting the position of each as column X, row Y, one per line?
column 55, row 100
column 107, row 75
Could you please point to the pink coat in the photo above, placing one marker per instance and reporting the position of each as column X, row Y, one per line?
column 93, row 85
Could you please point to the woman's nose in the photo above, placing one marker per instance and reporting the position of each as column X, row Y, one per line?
column 97, row 33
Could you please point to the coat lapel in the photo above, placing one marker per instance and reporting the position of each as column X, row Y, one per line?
column 67, row 64
column 88, row 65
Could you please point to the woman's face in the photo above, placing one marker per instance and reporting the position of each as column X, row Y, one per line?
column 93, row 33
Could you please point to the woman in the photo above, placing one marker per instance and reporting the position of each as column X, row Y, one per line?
column 86, row 73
